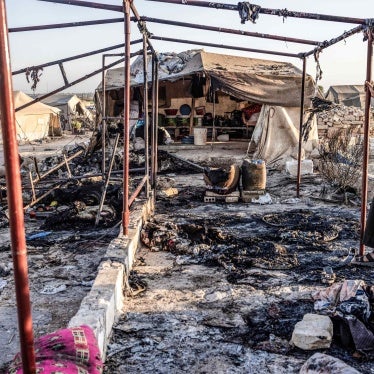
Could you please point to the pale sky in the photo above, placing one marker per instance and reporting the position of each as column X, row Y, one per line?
column 344, row 63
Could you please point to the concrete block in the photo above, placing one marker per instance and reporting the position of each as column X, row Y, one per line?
column 313, row 332
column 306, row 167
column 320, row 363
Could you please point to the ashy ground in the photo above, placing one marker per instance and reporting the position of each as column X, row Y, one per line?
column 220, row 287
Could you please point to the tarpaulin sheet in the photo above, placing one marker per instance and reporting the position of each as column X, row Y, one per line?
column 257, row 80
column 275, row 138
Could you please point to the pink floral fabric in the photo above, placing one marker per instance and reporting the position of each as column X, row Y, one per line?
column 66, row 351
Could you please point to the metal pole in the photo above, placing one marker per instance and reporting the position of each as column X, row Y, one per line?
column 225, row 46
column 107, row 179
column 153, row 124
column 87, row 4
column 16, row 216
column 329, row 43
column 229, row 31
column 103, row 120
column 64, row 25
column 301, row 128
column 76, row 57
column 41, row 98
column 126, row 116
column 155, row 161
column 138, row 189
column 365, row 161
column 272, row 12
column 145, row 112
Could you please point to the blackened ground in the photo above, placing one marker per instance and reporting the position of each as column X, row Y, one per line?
column 237, row 280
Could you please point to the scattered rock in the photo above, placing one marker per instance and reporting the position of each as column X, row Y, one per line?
column 313, row 332
column 320, row 363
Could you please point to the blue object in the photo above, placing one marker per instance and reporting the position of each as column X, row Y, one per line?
column 185, row 110
column 38, row 235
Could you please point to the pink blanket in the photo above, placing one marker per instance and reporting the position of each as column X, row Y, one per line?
column 66, row 351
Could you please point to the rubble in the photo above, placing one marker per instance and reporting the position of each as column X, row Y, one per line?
column 313, row 332
column 321, row 363
column 341, row 117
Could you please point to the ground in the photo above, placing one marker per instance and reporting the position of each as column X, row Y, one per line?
column 219, row 287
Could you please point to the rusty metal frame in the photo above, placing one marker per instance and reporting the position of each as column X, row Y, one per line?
column 365, row 162
column 126, row 118
column 7, row 114
column 272, row 12
column 65, row 25
column 15, row 201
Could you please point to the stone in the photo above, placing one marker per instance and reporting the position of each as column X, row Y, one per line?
column 320, row 363
column 313, row 332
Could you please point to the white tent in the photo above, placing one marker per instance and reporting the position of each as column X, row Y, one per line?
column 36, row 121
column 275, row 138
column 71, row 106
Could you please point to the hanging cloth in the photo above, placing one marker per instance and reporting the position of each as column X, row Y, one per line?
column 248, row 12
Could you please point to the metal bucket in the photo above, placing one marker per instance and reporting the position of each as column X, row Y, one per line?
column 253, row 175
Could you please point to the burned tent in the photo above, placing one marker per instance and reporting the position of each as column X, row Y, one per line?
column 36, row 121
column 221, row 85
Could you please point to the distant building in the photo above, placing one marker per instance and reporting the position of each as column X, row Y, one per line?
column 349, row 95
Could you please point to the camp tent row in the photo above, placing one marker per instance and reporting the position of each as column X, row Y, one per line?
column 192, row 76
column 41, row 120
column 36, row 121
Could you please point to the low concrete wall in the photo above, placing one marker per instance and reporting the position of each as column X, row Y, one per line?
column 105, row 300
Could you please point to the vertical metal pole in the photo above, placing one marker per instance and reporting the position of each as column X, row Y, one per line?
column 126, row 118
column 214, row 114
column 103, row 119
column 153, row 124
column 365, row 161
column 155, row 162
column 16, row 215
column 301, row 128
column 145, row 112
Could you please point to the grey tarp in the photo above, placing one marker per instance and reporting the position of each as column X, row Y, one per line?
column 263, row 81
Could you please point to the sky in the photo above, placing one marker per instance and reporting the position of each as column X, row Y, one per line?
column 343, row 63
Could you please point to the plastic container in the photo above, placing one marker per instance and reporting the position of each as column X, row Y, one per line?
column 253, row 175
column 170, row 120
column 198, row 120
column 171, row 112
column 200, row 135
column 200, row 110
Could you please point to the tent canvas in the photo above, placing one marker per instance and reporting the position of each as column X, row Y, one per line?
column 256, row 80
column 36, row 121
column 276, row 85
column 70, row 105
column 275, row 138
